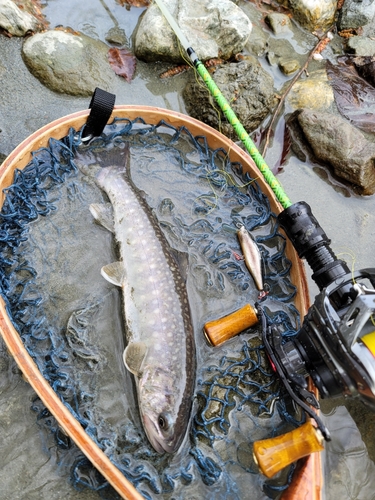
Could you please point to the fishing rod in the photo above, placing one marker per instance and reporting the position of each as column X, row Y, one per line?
column 227, row 110
column 297, row 220
column 336, row 343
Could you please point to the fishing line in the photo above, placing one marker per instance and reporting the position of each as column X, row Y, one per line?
column 353, row 259
column 200, row 84
column 227, row 110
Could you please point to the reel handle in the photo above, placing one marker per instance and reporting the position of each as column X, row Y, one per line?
column 220, row 330
column 272, row 455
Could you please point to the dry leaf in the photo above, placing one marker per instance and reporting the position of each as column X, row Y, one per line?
column 34, row 7
column 67, row 29
column 322, row 45
column 122, row 62
column 134, row 3
column 355, row 98
column 283, row 131
column 176, row 70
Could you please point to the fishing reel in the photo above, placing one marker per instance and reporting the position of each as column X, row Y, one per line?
column 335, row 347
column 336, row 343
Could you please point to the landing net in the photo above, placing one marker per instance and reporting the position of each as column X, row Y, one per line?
column 69, row 317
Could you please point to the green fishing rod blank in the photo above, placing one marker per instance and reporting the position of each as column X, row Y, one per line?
column 241, row 132
column 227, row 110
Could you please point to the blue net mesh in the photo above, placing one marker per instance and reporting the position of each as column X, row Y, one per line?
column 199, row 198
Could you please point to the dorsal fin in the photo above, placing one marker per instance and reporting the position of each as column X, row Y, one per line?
column 182, row 262
column 133, row 357
column 114, row 273
column 103, row 214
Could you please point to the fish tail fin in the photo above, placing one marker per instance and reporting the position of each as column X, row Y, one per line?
column 116, row 158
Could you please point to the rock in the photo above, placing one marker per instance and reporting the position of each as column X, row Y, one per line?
column 336, row 142
column 355, row 13
column 272, row 58
column 16, row 21
column 314, row 92
column 289, row 66
column 214, row 28
column 257, row 41
column 68, row 63
column 314, row 14
column 247, row 87
column 337, row 44
column 116, row 36
column 368, row 29
column 279, row 23
column 281, row 52
column 361, row 46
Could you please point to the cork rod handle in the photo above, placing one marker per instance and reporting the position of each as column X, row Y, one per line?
column 274, row 454
column 223, row 329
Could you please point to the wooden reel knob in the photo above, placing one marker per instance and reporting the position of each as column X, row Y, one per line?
column 223, row 329
column 274, row 454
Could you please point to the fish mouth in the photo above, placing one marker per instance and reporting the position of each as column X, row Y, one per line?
column 158, row 442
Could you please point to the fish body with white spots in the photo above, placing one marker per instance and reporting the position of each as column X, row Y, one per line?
column 160, row 349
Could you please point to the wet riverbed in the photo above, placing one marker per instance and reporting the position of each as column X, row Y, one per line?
column 33, row 469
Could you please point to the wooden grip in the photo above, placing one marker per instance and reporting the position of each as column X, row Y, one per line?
column 220, row 330
column 274, row 454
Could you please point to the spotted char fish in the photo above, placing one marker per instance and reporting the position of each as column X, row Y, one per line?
column 160, row 349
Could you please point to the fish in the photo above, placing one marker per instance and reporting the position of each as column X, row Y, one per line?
column 160, row 350
column 252, row 257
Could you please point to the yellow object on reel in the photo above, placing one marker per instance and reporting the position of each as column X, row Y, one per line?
column 369, row 341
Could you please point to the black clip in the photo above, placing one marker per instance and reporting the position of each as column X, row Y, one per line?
column 101, row 105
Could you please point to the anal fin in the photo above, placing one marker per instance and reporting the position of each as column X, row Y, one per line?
column 103, row 214
column 114, row 273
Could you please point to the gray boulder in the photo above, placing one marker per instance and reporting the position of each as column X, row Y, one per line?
column 312, row 92
column 258, row 39
column 279, row 23
column 68, row 63
column 14, row 20
column 337, row 143
column 246, row 86
column 355, row 13
column 314, row 14
column 214, row 28
column 361, row 46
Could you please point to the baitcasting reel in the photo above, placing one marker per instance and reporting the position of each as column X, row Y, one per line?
column 335, row 347
column 336, row 344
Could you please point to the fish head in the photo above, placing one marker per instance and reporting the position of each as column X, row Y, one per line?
column 163, row 416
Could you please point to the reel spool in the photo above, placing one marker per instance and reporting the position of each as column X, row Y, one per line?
column 335, row 347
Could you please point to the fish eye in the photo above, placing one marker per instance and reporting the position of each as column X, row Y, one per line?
column 163, row 422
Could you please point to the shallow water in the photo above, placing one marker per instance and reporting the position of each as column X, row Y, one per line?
column 347, row 219
column 74, row 331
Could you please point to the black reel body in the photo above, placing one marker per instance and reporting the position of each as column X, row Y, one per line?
column 336, row 343
column 336, row 348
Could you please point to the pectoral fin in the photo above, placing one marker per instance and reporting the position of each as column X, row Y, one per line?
column 114, row 273
column 103, row 214
column 133, row 357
